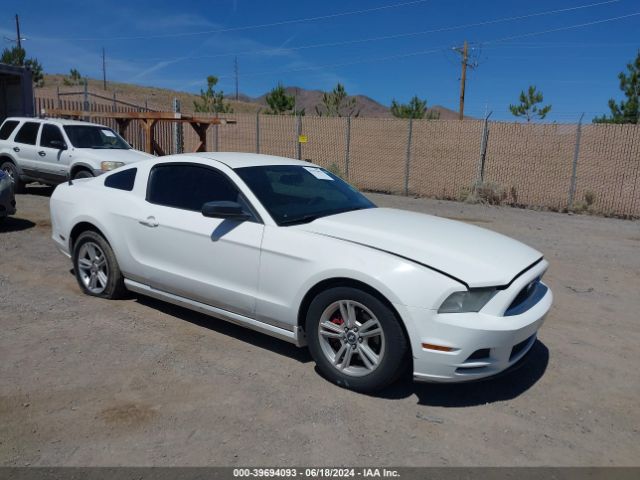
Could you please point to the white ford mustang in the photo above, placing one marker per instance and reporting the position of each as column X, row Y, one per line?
column 286, row 248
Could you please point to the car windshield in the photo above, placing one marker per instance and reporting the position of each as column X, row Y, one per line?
column 294, row 194
column 88, row 136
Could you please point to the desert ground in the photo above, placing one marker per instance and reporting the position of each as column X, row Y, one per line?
column 85, row 381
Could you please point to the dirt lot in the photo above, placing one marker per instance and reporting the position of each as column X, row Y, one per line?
column 138, row 382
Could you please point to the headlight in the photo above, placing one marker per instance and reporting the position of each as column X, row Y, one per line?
column 468, row 301
column 106, row 166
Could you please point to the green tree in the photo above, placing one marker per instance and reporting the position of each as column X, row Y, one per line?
column 17, row 56
column 626, row 111
column 279, row 101
column 416, row 108
column 74, row 78
column 529, row 106
column 337, row 103
column 212, row 101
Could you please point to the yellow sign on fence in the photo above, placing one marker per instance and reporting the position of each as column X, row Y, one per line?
column 302, row 139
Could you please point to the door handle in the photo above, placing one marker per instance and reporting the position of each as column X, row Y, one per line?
column 16, row 149
column 42, row 153
column 149, row 222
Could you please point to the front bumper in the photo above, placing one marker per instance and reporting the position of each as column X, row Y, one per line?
column 483, row 343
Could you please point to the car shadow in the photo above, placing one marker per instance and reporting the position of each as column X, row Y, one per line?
column 15, row 224
column 38, row 189
column 505, row 386
column 223, row 327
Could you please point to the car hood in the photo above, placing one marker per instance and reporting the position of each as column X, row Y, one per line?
column 474, row 255
column 111, row 155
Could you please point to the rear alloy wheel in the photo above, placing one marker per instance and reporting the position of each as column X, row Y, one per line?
column 82, row 173
column 355, row 339
column 12, row 171
column 95, row 266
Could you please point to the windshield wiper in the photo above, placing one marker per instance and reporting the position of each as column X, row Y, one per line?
column 311, row 217
column 303, row 219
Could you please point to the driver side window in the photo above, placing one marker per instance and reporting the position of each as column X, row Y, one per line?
column 189, row 187
column 51, row 133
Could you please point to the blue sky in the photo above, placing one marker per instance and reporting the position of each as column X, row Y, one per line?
column 177, row 44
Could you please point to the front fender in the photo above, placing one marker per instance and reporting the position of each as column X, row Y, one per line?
column 293, row 262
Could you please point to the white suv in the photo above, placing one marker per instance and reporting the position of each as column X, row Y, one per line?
column 50, row 150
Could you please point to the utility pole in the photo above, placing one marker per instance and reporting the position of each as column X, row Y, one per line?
column 104, row 71
column 464, row 53
column 18, row 39
column 235, row 68
column 463, row 77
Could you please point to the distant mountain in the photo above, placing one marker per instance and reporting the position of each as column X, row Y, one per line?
column 161, row 98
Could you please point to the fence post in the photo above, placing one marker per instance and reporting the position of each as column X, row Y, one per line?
column 574, row 167
column 258, row 130
column 215, row 138
column 483, row 148
column 298, row 133
column 177, row 129
column 348, row 148
column 59, row 103
column 407, row 163
column 85, row 104
column 114, row 101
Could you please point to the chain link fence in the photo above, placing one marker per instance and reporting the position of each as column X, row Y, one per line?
column 593, row 168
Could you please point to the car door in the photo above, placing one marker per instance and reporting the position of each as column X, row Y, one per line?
column 210, row 260
column 25, row 149
column 54, row 159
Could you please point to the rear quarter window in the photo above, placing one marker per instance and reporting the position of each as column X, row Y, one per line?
column 7, row 129
column 122, row 180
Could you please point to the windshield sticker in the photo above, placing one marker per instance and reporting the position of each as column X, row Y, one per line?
column 318, row 173
column 108, row 133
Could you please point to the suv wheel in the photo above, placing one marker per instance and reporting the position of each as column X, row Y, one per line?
column 10, row 169
column 82, row 173
column 96, row 268
column 355, row 339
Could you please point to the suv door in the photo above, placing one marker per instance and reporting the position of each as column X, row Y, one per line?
column 210, row 260
column 25, row 150
column 54, row 159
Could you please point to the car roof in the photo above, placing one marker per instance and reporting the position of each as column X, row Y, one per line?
column 57, row 121
column 237, row 159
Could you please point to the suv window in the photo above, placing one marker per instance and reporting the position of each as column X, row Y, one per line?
column 189, row 187
column 28, row 133
column 50, row 133
column 122, row 180
column 7, row 128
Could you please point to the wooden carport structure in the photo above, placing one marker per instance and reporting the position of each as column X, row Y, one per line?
column 148, row 120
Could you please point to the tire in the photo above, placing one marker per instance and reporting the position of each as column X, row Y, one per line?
column 82, row 173
column 330, row 348
column 9, row 168
column 96, row 268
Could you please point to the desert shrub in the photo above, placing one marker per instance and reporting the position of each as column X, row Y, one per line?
column 484, row 192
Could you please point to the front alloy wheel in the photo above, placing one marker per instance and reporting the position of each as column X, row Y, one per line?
column 356, row 339
column 351, row 338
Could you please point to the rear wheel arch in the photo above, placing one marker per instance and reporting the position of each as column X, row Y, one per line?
column 82, row 227
column 345, row 282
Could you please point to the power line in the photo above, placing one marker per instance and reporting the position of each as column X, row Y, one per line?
column 438, row 49
column 249, row 27
column 398, row 35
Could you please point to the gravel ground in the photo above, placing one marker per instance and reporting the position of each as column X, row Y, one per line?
column 85, row 381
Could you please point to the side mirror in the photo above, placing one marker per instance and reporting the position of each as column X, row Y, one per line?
column 59, row 144
column 230, row 210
